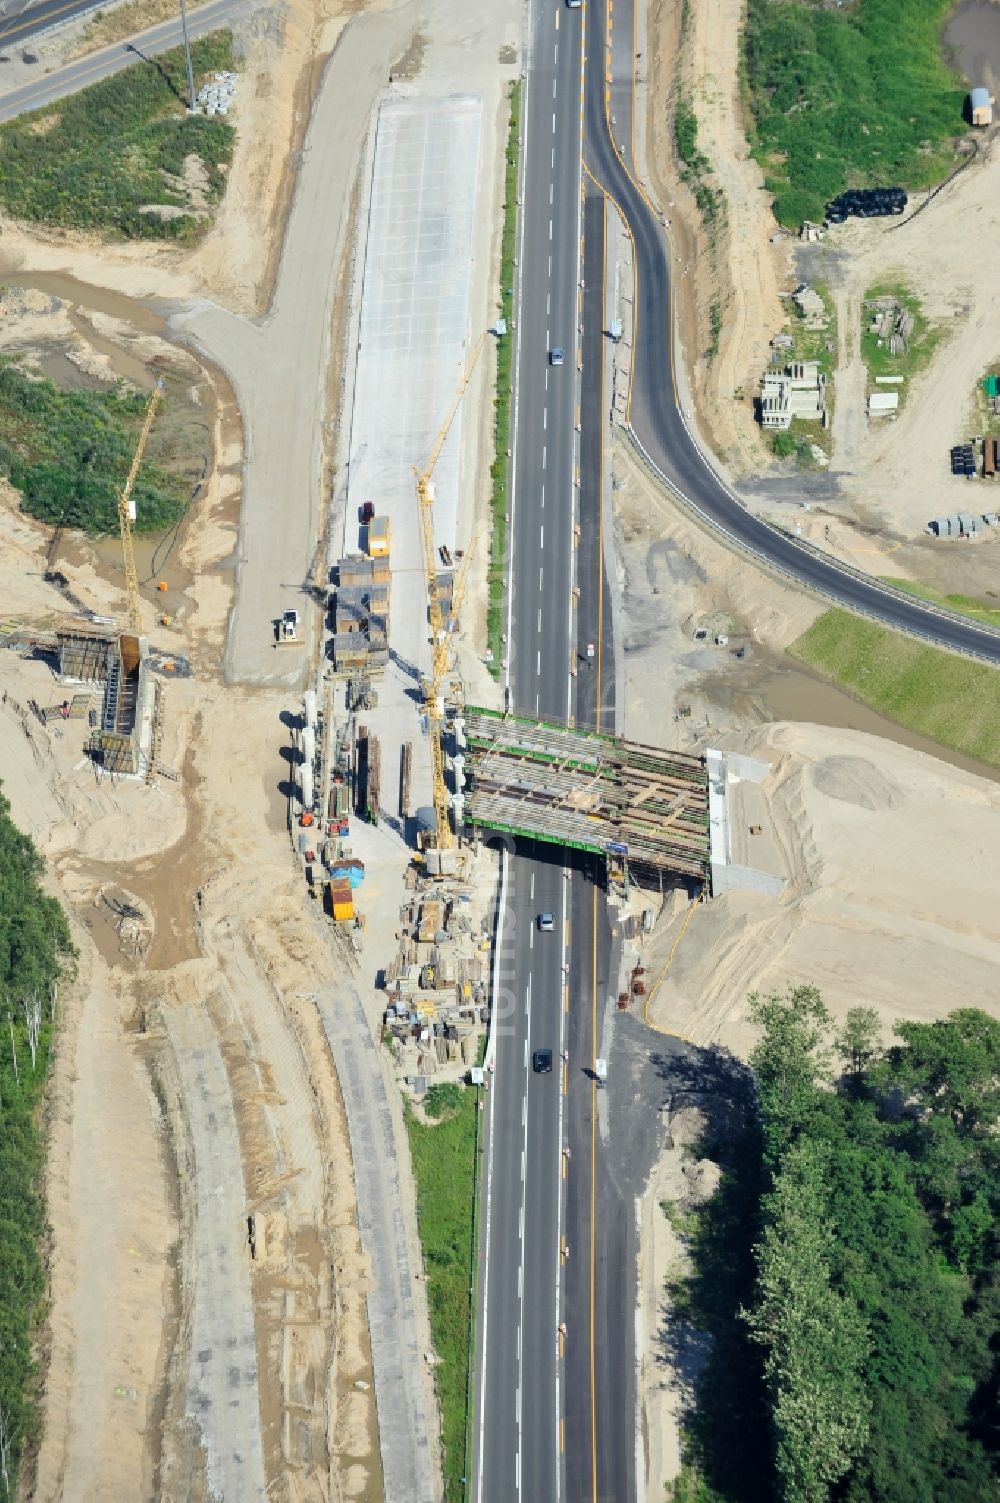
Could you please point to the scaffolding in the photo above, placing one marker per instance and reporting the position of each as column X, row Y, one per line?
column 588, row 791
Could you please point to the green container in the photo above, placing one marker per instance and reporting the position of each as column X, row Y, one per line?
column 991, row 386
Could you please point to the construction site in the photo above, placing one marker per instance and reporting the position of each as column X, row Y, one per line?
column 120, row 699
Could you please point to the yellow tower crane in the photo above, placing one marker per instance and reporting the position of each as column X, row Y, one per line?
column 434, row 686
column 126, row 512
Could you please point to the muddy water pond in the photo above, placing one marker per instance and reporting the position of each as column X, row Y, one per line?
column 782, row 692
column 973, row 38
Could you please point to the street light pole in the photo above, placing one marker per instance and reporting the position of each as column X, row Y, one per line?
column 187, row 57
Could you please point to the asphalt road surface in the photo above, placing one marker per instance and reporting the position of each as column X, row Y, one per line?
column 109, row 60
column 22, row 19
column 658, row 425
column 520, row 1369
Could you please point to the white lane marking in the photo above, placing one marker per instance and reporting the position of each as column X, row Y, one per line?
column 552, row 189
column 545, row 417
column 554, row 82
column 538, row 661
column 531, row 892
column 513, row 463
column 543, row 456
column 540, row 573
column 550, row 273
column 488, row 1222
column 560, row 1200
column 541, row 537
column 548, row 302
column 539, row 628
column 538, row 698
column 524, row 1150
column 553, row 164
column 553, row 122
column 550, row 229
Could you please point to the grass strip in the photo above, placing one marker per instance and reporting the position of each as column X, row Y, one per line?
column 445, row 1166
column 500, row 468
column 964, row 605
column 118, row 157
column 953, row 700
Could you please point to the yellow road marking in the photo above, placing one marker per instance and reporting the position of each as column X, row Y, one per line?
column 593, row 1205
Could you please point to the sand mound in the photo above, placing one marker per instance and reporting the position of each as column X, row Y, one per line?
column 853, row 780
column 891, row 862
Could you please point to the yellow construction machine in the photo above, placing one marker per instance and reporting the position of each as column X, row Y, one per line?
column 434, row 686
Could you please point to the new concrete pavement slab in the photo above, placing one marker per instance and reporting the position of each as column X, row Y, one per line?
column 222, row 1393
column 414, row 331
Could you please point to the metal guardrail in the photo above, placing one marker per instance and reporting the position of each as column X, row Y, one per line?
column 967, row 623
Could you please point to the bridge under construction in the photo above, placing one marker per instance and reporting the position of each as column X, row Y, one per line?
column 591, row 792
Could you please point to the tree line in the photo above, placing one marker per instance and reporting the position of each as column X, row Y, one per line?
column 860, row 1304
column 35, row 952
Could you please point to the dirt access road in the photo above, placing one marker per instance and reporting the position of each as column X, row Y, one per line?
column 219, row 958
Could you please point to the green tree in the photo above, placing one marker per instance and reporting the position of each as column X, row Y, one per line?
column 791, row 1056
column 952, row 1066
column 858, row 1041
column 814, row 1335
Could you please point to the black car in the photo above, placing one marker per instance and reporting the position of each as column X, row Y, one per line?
column 541, row 1061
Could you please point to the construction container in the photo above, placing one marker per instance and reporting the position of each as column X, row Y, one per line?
column 981, row 107
column 377, row 537
column 989, row 457
column 991, row 385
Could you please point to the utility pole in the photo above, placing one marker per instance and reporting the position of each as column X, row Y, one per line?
column 187, row 58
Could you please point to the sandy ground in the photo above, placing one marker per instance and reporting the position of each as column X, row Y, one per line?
column 891, row 477
column 897, row 472
column 223, row 939
column 890, row 859
column 737, row 266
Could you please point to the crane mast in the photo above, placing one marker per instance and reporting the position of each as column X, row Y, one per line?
column 434, row 686
column 126, row 512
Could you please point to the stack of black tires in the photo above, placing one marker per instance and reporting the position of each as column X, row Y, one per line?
column 865, row 203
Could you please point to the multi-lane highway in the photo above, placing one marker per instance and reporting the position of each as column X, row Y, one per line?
column 108, row 60
column 521, row 1403
column 555, row 1369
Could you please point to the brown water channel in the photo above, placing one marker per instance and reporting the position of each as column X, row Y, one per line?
column 782, row 692
column 973, row 37
column 156, row 555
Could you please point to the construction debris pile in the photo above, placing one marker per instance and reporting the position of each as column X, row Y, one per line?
column 216, row 97
column 891, row 323
column 436, row 987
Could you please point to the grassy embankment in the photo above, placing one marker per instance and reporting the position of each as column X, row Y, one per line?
column 68, row 452
column 445, row 1155
column 98, row 159
column 500, row 468
column 965, row 605
column 954, row 701
column 34, row 947
column 696, row 173
column 848, row 97
column 878, row 359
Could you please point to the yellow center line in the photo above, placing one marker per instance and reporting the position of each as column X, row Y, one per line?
column 593, row 1203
